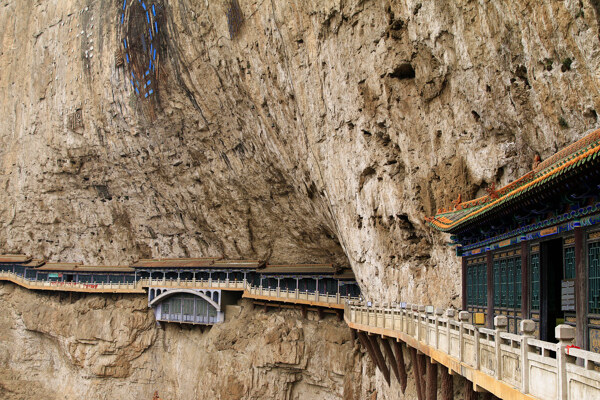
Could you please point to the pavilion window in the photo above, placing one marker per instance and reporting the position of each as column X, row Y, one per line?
column 594, row 277
column 482, row 286
column 30, row 273
column 164, row 309
column 507, row 282
column 85, row 278
column 517, row 284
column 569, row 263
column 534, row 279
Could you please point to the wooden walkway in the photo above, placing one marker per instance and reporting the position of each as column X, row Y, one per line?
column 249, row 291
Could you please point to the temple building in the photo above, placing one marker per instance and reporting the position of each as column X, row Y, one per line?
column 531, row 249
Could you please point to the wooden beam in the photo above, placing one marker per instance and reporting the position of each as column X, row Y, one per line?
column 383, row 366
column 447, row 385
column 400, row 365
column 390, row 355
column 431, row 381
column 416, row 370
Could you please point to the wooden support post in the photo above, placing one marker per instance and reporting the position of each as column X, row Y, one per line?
column 489, row 318
column 400, row 365
column 431, row 385
column 580, row 290
column 320, row 313
column 377, row 351
column 416, row 370
column 340, row 315
column 266, row 308
column 304, row 312
column 470, row 394
column 390, row 354
column 447, row 385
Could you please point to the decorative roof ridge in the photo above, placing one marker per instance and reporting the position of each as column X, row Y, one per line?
column 556, row 163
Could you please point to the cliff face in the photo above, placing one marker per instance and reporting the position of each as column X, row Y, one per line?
column 323, row 131
column 108, row 347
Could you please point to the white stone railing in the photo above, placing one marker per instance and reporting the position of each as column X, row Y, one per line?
column 540, row 369
column 69, row 286
column 300, row 296
column 194, row 283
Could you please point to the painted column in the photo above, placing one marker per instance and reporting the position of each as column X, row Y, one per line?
column 580, row 288
column 524, row 279
column 464, row 283
column 489, row 319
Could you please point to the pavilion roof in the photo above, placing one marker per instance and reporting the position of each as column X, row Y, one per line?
column 75, row 267
column 299, row 269
column 205, row 262
column 14, row 258
column 571, row 157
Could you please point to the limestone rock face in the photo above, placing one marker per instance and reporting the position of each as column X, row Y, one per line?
column 322, row 132
column 103, row 347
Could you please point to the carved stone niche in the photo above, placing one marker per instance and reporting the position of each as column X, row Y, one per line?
column 75, row 121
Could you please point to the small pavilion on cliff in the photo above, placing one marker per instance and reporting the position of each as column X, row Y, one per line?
column 531, row 249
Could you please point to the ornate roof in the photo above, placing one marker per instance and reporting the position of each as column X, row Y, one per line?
column 574, row 156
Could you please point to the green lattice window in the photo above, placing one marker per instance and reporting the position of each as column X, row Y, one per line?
column 594, row 277
column 482, row 277
column 507, row 282
column 471, row 287
column 518, row 291
column 534, row 278
column 510, row 283
column 569, row 263
column 497, row 284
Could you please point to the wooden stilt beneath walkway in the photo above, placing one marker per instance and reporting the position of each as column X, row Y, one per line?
column 364, row 340
column 470, row 394
column 417, row 372
column 431, row 384
column 447, row 385
column 382, row 365
column 388, row 350
column 400, row 364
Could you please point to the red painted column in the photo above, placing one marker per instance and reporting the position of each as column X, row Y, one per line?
column 464, row 283
column 580, row 289
column 489, row 318
column 524, row 280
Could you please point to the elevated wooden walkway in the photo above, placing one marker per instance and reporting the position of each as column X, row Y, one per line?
column 506, row 365
column 258, row 293
column 71, row 286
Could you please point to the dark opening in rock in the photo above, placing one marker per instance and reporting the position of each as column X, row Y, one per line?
column 403, row 71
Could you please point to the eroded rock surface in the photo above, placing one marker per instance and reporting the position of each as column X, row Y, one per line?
column 103, row 347
column 322, row 132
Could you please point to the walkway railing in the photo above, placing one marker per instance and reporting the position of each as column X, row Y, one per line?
column 194, row 284
column 71, row 286
column 250, row 291
column 505, row 364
